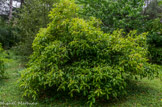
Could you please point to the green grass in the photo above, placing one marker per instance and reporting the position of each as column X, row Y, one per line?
column 9, row 91
column 141, row 93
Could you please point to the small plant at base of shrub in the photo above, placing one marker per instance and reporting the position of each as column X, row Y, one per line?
column 73, row 55
column 2, row 62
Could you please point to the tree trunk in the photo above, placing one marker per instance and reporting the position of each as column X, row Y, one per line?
column 10, row 13
column 22, row 2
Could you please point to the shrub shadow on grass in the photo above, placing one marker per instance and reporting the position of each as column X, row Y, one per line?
column 140, row 93
column 61, row 99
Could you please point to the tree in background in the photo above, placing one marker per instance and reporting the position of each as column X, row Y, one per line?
column 8, row 36
column 115, row 14
column 22, row 2
column 154, row 9
column 32, row 16
column 154, row 29
column 10, row 12
column 8, row 9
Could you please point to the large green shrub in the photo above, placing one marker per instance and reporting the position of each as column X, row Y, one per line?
column 74, row 56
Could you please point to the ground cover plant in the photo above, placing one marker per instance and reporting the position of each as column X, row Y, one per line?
column 74, row 56
column 2, row 62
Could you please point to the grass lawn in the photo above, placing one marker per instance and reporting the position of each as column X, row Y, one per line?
column 141, row 93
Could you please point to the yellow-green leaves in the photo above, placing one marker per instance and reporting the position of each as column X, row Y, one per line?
column 2, row 61
column 64, row 9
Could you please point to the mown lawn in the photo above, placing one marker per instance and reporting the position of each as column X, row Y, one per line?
column 141, row 93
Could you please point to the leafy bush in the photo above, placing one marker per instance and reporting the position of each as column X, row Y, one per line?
column 2, row 60
column 73, row 55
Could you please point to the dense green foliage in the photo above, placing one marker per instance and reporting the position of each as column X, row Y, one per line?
column 7, row 36
column 2, row 60
column 128, row 15
column 155, row 40
column 29, row 19
column 74, row 56
column 114, row 14
column 154, row 27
